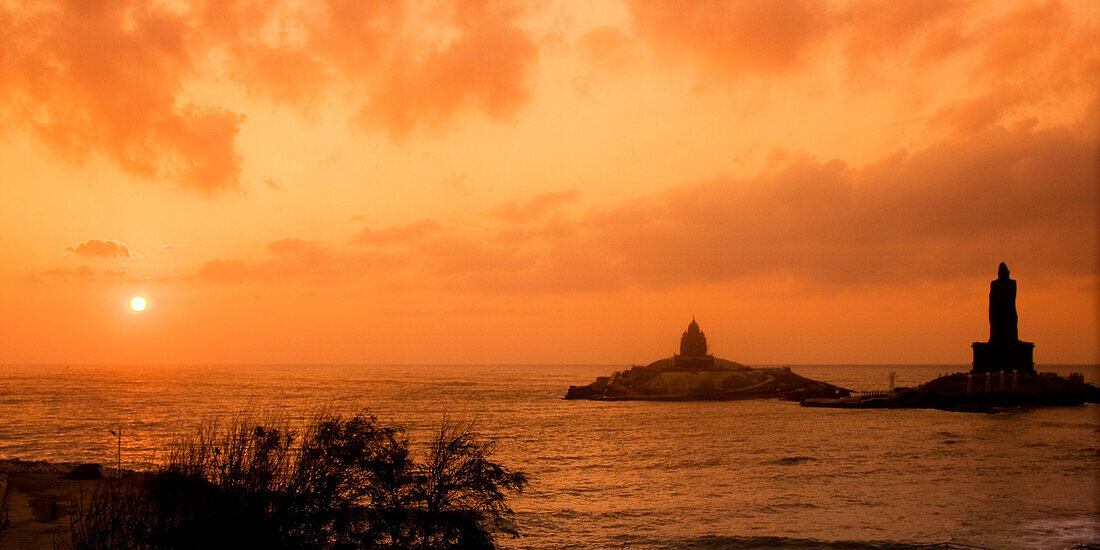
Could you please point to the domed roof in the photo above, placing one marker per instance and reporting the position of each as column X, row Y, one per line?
column 693, row 327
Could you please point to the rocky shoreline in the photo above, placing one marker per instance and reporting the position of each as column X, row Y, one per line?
column 970, row 392
column 75, row 470
column 18, row 466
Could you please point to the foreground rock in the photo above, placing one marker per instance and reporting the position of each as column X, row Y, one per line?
column 85, row 471
column 695, row 375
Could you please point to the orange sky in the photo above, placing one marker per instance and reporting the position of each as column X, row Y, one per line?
column 390, row 181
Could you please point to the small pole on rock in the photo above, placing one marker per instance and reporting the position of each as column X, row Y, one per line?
column 118, row 468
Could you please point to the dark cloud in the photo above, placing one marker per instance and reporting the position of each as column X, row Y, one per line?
column 1014, row 193
column 947, row 211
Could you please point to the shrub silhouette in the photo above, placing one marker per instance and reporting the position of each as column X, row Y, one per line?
column 340, row 483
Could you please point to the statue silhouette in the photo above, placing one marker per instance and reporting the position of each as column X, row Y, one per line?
column 1002, row 308
column 1004, row 351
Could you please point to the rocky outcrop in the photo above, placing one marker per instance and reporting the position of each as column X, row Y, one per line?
column 969, row 392
column 695, row 374
column 85, row 471
column 722, row 381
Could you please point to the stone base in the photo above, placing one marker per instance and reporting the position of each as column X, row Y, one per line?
column 693, row 364
column 993, row 357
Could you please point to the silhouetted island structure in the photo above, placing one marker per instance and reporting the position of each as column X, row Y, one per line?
column 1002, row 375
column 696, row 375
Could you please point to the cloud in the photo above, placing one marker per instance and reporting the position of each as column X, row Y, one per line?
column 100, row 248
column 298, row 260
column 735, row 37
column 975, row 114
column 535, row 209
column 229, row 271
column 292, row 258
column 407, row 67
column 882, row 33
column 902, row 41
column 1017, row 193
column 123, row 79
column 1037, row 42
column 106, row 78
column 486, row 66
column 606, row 47
column 272, row 184
column 946, row 211
column 82, row 273
column 112, row 78
column 175, row 247
column 399, row 234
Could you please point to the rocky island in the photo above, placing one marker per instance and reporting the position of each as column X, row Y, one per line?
column 1002, row 374
column 696, row 375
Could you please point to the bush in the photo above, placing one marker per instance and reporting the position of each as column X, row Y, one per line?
column 340, row 483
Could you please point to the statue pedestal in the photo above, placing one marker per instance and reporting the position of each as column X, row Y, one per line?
column 1003, row 356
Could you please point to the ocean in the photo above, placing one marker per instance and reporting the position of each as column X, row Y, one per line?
column 639, row 475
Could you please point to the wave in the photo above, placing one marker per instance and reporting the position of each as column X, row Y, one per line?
column 1071, row 425
column 714, row 542
column 781, row 508
column 729, row 542
column 789, row 460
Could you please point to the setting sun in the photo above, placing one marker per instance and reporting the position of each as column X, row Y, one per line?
column 137, row 304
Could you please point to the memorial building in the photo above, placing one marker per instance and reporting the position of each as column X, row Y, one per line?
column 693, row 354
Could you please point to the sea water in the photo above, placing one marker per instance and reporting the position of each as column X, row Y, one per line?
column 738, row 474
